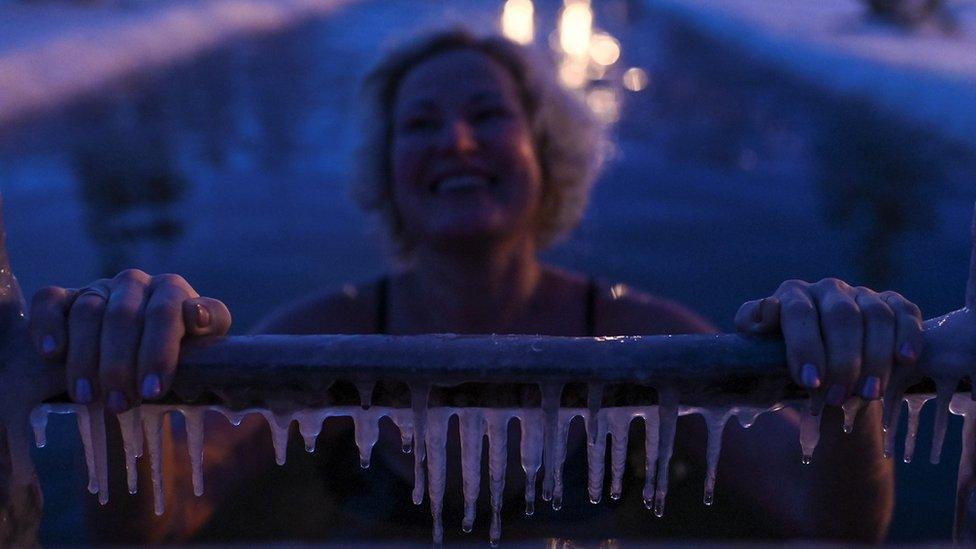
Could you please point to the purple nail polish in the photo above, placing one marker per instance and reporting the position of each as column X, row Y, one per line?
column 871, row 389
column 203, row 316
column 48, row 345
column 809, row 376
column 83, row 391
column 151, row 388
column 836, row 395
column 116, row 402
column 907, row 351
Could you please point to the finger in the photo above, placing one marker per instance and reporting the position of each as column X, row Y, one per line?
column 842, row 330
column 800, row 324
column 121, row 330
column 908, row 329
column 879, row 344
column 204, row 316
column 84, row 328
column 759, row 317
column 159, row 349
column 48, row 324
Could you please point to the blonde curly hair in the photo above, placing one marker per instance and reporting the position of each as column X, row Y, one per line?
column 570, row 144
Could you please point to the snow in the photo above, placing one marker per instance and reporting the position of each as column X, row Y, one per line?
column 51, row 53
column 926, row 75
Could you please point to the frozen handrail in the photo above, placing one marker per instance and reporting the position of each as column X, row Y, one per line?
column 690, row 370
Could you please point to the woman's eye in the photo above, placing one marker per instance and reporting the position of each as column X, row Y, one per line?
column 491, row 113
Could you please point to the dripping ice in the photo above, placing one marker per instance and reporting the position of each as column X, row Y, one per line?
column 424, row 431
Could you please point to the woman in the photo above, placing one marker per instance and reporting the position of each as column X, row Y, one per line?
column 475, row 161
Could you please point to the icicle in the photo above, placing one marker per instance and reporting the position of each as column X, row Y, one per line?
column 618, row 424
column 471, row 425
column 915, row 404
column 497, row 463
column 418, row 404
column 100, row 449
column 809, row 433
column 652, row 436
column 530, row 449
column 279, row 425
column 889, row 421
column 309, row 426
column 152, row 420
column 436, row 436
column 130, row 424
column 594, row 399
column 559, row 455
column 668, row 411
column 367, row 433
column 966, row 407
column 85, row 430
column 194, row 444
column 404, row 423
column 596, row 451
column 852, row 406
column 38, row 420
column 365, row 389
column 747, row 416
column 715, row 424
column 551, row 397
column 944, row 389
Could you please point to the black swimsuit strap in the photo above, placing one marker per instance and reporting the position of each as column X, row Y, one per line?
column 592, row 291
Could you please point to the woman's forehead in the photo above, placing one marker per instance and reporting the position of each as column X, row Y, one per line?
column 457, row 76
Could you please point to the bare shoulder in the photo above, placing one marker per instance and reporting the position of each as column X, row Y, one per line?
column 623, row 310
column 351, row 310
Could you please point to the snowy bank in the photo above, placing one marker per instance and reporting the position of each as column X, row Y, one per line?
column 926, row 76
column 52, row 53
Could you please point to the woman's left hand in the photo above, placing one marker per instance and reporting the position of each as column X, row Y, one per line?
column 841, row 339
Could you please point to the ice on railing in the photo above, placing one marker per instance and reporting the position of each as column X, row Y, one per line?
column 544, row 430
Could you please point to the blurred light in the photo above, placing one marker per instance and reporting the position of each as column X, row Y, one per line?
column 517, row 21
column 604, row 49
column 635, row 79
column 573, row 73
column 604, row 104
column 595, row 72
column 576, row 28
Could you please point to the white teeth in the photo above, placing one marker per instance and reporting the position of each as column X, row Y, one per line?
column 461, row 182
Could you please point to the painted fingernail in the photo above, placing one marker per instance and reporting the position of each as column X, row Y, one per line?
column 116, row 402
column 836, row 395
column 83, row 391
column 907, row 351
column 809, row 376
column 48, row 345
column 203, row 316
column 151, row 386
column 871, row 389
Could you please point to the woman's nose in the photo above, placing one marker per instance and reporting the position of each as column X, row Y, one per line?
column 458, row 137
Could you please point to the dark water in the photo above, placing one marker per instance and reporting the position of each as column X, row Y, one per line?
column 730, row 177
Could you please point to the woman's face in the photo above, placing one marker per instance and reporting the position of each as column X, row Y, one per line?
column 465, row 171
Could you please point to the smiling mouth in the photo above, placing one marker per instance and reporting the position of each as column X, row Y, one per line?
column 461, row 183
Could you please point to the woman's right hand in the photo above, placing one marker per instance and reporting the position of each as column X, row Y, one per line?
column 119, row 338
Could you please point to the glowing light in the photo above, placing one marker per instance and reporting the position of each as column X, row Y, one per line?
column 518, row 21
column 604, row 49
column 573, row 74
column 604, row 103
column 635, row 79
column 576, row 28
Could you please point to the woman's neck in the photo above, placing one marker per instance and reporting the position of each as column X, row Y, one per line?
column 469, row 292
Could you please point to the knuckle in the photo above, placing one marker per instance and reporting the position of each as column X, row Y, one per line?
column 877, row 311
column 170, row 279
column 797, row 307
column 831, row 283
column 87, row 308
column 792, row 285
column 122, row 312
column 45, row 295
column 162, row 311
column 841, row 311
column 133, row 276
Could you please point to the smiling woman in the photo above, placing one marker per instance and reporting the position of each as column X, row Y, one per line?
column 474, row 161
